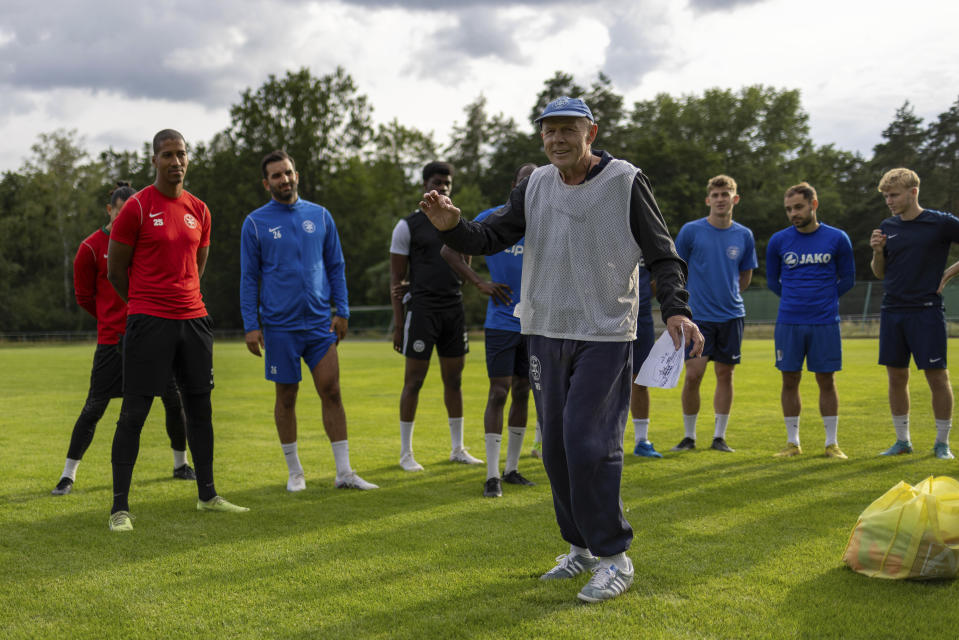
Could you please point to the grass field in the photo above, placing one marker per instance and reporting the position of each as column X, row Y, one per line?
column 727, row 545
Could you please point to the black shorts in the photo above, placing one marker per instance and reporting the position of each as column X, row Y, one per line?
column 506, row 354
column 444, row 328
column 106, row 377
column 723, row 340
column 154, row 348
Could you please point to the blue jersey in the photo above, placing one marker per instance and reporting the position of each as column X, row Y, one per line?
column 505, row 267
column 809, row 271
column 291, row 267
column 715, row 258
column 916, row 252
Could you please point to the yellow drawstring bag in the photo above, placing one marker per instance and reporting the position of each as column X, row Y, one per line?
column 909, row 532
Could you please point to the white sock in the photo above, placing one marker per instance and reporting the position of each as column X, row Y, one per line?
column 539, row 433
column 292, row 459
column 620, row 560
column 341, row 457
column 70, row 469
column 792, row 429
column 831, row 424
column 721, row 421
column 456, row 434
column 179, row 458
column 406, row 438
column 689, row 424
column 493, row 441
column 901, row 424
column 641, row 427
column 942, row 430
column 514, row 447
column 579, row 551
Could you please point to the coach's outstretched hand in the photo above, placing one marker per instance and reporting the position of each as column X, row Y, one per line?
column 679, row 326
column 440, row 210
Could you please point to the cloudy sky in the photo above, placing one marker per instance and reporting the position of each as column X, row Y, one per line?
column 117, row 71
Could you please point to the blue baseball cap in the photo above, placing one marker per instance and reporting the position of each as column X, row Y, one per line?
column 566, row 106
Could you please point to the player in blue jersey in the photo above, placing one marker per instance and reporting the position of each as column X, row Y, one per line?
column 809, row 266
column 642, row 345
column 507, row 356
column 909, row 253
column 291, row 272
column 721, row 255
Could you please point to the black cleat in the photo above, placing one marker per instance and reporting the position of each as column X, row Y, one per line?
column 720, row 445
column 184, row 473
column 686, row 444
column 492, row 489
column 63, row 487
column 515, row 477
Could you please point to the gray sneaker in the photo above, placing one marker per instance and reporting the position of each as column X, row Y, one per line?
column 608, row 581
column 569, row 566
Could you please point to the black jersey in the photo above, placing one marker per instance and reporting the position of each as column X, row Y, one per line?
column 433, row 283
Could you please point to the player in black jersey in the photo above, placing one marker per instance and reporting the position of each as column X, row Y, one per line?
column 433, row 316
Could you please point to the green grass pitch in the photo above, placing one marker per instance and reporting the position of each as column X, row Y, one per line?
column 727, row 545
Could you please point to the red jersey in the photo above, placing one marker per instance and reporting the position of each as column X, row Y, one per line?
column 165, row 234
column 94, row 291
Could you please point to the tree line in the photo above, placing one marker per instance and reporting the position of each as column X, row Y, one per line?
column 368, row 177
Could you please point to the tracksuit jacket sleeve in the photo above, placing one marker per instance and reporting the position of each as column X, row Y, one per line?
column 335, row 269
column 773, row 267
column 249, row 275
column 650, row 232
column 496, row 232
column 85, row 279
column 845, row 265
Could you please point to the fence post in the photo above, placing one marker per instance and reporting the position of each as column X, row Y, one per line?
column 865, row 306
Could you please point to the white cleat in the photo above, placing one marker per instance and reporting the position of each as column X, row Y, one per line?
column 353, row 481
column 462, row 455
column 296, row 482
column 409, row 464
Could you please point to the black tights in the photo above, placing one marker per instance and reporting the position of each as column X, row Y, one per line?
column 126, row 443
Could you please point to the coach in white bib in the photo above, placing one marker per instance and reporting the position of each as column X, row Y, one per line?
column 587, row 218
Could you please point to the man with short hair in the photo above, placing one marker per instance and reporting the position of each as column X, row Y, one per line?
column 507, row 357
column 587, row 218
column 809, row 266
column 434, row 316
column 291, row 272
column 158, row 249
column 98, row 297
column 909, row 253
column 721, row 255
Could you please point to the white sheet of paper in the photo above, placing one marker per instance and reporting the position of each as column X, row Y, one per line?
column 663, row 365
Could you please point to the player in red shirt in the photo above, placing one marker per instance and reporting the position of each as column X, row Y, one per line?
column 158, row 249
column 95, row 294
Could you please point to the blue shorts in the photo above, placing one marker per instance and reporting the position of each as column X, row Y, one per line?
column 921, row 333
column 506, row 354
column 643, row 344
column 723, row 340
column 819, row 344
column 285, row 348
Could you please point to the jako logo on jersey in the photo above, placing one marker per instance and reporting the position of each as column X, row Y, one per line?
column 276, row 232
column 792, row 260
column 190, row 220
column 515, row 250
column 534, row 368
column 732, row 252
column 308, row 226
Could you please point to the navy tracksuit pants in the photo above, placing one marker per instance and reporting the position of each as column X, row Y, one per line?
column 583, row 391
